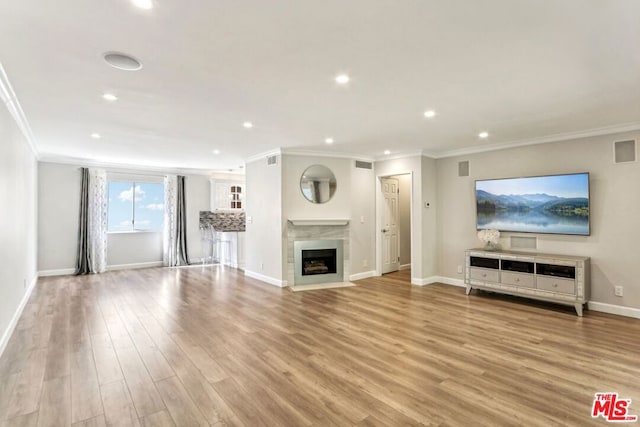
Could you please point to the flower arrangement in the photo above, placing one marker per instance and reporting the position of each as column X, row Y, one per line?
column 490, row 238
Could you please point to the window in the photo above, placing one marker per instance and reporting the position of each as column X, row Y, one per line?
column 135, row 206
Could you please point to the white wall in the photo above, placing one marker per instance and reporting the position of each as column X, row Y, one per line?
column 615, row 207
column 198, row 195
column 58, row 216
column 141, row 248
column 363, row 207
column 58, row 200
column 293, row 202
column 264, row 235
column 18, row 175
column 428, row 209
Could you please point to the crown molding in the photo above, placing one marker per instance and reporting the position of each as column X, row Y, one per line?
column 558, row 137
column 404, row 155
column 311, row 153
column 315, row 153
column 260, row 156
column 76, row 161
column 10, row 99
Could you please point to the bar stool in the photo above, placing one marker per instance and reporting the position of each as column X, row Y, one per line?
column 223, row 248
column 208, row 243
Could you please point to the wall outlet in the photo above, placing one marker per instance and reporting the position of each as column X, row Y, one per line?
column 24, row 283
column 459, row 269
column 362, row 219
column 365, row 263
column 262, row 266
column 618, row 291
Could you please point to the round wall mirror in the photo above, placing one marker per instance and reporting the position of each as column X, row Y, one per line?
column 318, row 184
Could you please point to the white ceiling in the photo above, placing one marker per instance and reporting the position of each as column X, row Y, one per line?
column 522, row 70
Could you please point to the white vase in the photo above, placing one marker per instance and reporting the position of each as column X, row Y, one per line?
column 489, row 246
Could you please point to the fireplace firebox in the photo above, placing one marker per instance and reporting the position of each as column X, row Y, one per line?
column 318, row 261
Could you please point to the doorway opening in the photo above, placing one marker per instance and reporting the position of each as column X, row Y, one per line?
column 395, row 219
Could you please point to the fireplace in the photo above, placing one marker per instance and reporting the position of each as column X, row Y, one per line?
column 318, row 261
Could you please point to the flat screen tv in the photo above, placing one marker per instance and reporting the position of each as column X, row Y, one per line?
column 556, row 204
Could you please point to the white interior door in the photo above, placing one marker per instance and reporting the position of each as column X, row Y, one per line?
column 390, row 232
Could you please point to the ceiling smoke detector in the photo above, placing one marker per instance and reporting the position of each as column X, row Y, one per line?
column 122, row 61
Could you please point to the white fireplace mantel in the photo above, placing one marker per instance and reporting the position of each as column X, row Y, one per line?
column 319, row 221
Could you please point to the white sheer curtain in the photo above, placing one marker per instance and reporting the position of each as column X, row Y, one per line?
column 97, row 212
column 170, row 242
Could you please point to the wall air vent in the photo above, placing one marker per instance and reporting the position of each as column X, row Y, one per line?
column 463, row 168
column 363, row 165
column 624, row 151
column 272, row 160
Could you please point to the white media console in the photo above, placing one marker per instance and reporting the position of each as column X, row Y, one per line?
column 557, row 278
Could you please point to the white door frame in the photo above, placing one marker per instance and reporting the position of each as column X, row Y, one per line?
column 380, row 207
column 390, row 225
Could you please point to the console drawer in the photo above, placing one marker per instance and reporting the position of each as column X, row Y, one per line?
column 555, row 284
column 484, row 274
column 517, row 279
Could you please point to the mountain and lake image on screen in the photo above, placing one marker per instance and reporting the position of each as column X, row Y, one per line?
column 556, row 204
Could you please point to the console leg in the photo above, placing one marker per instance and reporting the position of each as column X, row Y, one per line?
column 579, row 309
column 468, row 291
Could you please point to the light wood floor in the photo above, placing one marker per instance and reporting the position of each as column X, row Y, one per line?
column 207, row 346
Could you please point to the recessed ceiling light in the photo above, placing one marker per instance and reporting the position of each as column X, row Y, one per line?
column 122, row 61
column 429, row 114
column 483, row 134
column 95, row 135
column 247, row 125
column 110, row 97
column 143, row 4
column 216, row 151
column 329, row 140
column 387, row 152
column 342, row 79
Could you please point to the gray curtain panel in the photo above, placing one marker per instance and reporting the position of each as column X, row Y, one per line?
column 83, row 258
column 181, row 223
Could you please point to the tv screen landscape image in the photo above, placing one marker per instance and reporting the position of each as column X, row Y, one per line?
column 557, row 204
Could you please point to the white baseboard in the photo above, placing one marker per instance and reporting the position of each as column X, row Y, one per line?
column 68, row 271
column 58, row 272
column 267, row 279
column 363, row 275
column 405, row 267
column 593, row 305
column 614, row 309
column 423, row 282
column 16, row 316
column 450, row 281
column 437, row 279
column 134, row 265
